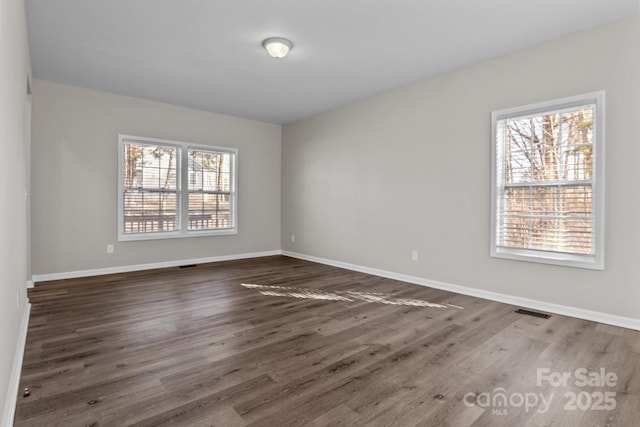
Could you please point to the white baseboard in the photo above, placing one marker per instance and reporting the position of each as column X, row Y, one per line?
column 29, row 284
column 14, row 381
column 127, row 268
column 595, row 316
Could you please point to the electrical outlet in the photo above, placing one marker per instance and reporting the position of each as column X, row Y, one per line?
column 109, row 249
column 293, row 237
column 414, row 255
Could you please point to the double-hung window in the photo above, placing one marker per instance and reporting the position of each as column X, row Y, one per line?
column 173, row 189
column 548, row 182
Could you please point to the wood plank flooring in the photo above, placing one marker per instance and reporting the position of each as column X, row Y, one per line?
column 277, row 341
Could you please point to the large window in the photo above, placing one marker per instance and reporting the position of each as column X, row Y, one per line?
column 547, row 182
column 172, row 189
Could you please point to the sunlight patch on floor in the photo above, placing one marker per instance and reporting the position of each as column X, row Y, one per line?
column 349, row 296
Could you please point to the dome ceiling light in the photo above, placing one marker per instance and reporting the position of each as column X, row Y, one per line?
column 277, row 47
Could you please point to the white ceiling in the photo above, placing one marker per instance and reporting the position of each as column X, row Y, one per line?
column 207, row 54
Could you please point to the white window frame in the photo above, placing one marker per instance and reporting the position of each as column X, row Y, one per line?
column 182, row 187
column 593, row 261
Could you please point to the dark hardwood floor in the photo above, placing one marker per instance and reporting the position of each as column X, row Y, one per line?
column 311, row 345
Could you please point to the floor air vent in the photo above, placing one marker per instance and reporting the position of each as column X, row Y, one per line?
column 188, row 266
column 533, row 313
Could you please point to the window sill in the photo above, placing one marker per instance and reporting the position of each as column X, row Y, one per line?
column 590, row 262
column 176, row 235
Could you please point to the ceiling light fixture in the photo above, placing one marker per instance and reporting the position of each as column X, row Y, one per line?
column 277, row 46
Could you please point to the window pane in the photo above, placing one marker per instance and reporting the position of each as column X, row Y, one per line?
column 549, row 147
column 209, row 211
column 517, row 201
column 576, row 236
column 518, row 149
column 149, row 166
column 543, row 234
column 149, row 212
column 555, row 218
column 545, row 201
column 209, row 171
column 514, row 232
column 576, row 201
column 196, row 162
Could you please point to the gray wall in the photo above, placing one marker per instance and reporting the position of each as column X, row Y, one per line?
column 14, row 141
column 410, row 169
column 74, row 215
